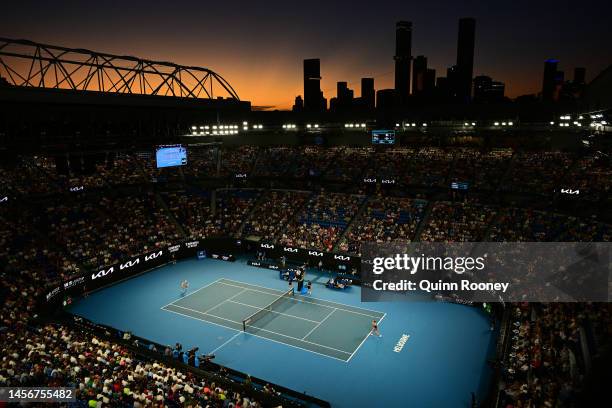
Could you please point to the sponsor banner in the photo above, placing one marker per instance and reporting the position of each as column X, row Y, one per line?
column 312, row 256
column 137, row 264
column 52, row 294
column 268, row 265
column 487, row 271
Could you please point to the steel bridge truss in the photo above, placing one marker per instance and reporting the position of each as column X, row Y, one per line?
column 30, row 64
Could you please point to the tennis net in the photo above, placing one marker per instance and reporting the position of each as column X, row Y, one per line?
column 264, row 311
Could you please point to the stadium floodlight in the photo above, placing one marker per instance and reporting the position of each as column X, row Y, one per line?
column 552, row 123
column 316, row 125
column 413, row 125
column 603, row 122
column 510, row 123
column 309, row 126
column 473, row 123
column 194, row 127
column 363, row 125
column 346, row 125
column 397, row 125
column 424, row 124
column 245, row 123
column 215, row 127
column 496, row 124
column 503, row 123
column 465, row 124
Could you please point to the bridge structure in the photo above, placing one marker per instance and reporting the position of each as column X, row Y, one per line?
column 25, row 63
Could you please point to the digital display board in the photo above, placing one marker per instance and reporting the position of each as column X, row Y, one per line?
column 169, row 156
column 457, row 185
column 383, row 137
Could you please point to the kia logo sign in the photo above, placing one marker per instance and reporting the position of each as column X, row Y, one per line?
column 129, row 264
column 342, row 257
column 369, row 180
column 241, row 175
column 315, row 253
column 570, row 191
column 4, row 199
column 267, row 246
column 76, row 188
column 387, row 181
column 287, row 249
column 102, row 273
column 153, row 255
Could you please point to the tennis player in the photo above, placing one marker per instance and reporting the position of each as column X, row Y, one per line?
column 184, row 287
column 375, row 329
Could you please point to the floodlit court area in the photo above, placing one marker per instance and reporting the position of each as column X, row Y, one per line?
column 318, row 344
column 326, row 328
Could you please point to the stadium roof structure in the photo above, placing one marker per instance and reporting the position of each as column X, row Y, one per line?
column 25, row 63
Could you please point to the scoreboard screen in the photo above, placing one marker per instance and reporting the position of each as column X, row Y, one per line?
column 169, row 156
column 383, row 137
column 457, row 185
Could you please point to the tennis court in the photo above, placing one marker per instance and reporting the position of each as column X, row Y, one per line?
column 319, row 326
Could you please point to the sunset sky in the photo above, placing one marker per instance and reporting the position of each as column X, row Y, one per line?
column 258, row 46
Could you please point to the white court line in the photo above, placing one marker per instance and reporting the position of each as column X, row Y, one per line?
column 219, row 304
column 304, row 299
column 364, row 339
column 318, row 324
column 266, row 330
column 230, row 339
column 272, row 311
column 197, row 290
column 255, row 335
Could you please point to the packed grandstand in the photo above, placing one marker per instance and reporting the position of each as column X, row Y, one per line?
column 58, row 221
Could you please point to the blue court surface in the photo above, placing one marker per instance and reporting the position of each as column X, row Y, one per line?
column 318, row 344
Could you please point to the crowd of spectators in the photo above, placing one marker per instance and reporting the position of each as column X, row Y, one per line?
column 349, row 164
column 463, row 221
column 238, row 160
column 99, row 231
column 525, row 225
column 384, row 220
column 323, row 219
column 544, row 367
column 592, row 175
column 430, row 167
column 104, row 373
column 269, row 219
column 482, row 170
column 537, row 172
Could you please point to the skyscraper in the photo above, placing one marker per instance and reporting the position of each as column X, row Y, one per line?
column 488, row 91
column 430, row 81
column 579, row 75
column 419, row 73
column 403, row 49
column 465, row 59
column 549, row 81
column 368, row 95
column 344, row 97
column 312, row 85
